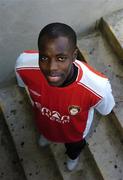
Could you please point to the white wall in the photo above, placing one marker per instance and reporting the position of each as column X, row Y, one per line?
column 21, row 21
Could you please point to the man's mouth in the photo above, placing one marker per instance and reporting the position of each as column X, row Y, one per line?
column 53, row 78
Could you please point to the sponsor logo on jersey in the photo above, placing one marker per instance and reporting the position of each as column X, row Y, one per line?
column 52, row 115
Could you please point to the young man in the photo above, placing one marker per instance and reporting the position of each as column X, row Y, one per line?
column 64, row 91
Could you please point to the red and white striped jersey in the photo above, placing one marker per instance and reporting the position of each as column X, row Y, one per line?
column 64, row 114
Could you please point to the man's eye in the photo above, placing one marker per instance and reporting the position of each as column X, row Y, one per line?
column 43, row 58
column 61, row 58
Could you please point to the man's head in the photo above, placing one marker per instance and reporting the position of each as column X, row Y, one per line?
column 57, row 52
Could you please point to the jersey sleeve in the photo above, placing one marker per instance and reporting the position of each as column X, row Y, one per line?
column 107, row 103
column 19, row 62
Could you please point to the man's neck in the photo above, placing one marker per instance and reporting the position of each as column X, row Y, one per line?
column 72, row 77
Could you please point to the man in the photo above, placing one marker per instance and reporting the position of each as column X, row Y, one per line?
column 63, row 90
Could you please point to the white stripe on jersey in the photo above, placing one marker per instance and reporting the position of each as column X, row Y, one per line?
column 92, row 80
column 27, row 60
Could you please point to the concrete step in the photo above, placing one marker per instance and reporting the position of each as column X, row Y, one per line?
column 112, row 27
column 38, row 163
column 10, row 168
column 105, row 143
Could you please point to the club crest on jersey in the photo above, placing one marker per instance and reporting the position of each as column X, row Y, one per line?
column 73, row 110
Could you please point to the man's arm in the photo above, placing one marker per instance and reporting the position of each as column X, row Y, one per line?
column 19, row 61
column 107, row 103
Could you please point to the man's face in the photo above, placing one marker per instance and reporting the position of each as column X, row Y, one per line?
column 56, row 59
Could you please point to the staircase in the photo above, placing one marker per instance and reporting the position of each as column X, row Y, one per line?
column 102, row 159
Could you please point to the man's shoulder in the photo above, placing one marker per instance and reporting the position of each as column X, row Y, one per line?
column 86, row 68
column 27, row 69
column 92, row 79
column 27, row 59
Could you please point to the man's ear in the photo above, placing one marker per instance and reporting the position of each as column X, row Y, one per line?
column 75, row 54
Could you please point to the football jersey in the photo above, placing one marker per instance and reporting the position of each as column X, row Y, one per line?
column 64, row 114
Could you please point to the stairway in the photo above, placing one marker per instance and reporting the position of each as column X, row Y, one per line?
column 102, row 159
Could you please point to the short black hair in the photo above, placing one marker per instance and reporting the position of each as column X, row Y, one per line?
column 54, row 30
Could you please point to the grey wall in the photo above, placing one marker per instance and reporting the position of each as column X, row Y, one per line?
column 21, row 20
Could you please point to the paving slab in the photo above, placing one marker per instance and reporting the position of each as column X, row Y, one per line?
column 38, row 163
column 100, row 55
column 112, row 27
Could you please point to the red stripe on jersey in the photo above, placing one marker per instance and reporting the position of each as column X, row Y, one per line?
column 31, row 51
column 24, row 68
column 80, row 72
column 90, row 90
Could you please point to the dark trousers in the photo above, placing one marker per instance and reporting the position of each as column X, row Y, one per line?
column 73, row 150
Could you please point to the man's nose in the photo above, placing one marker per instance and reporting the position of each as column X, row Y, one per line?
column 53, row 65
